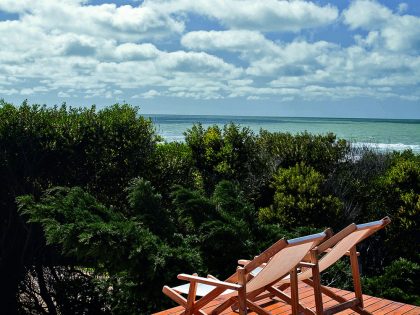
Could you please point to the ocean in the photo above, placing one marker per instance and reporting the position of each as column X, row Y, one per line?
column 382, row 134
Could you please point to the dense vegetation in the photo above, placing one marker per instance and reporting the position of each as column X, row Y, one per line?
column 96, row 213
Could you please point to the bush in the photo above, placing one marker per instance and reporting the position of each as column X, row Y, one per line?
column 231, row 153
column 42, row 147
column 133, row 262
column 173, row 165
column 399, row 197
column 299, row 199
column 399, row 282
column 322, row 152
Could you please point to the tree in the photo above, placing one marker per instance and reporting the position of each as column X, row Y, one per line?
column 132, row 261
column 41, row 147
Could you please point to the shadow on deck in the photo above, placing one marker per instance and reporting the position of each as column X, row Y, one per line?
column 376, row 306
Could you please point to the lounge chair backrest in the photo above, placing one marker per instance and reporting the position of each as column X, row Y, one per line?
column 355, row 234
column 282, row 262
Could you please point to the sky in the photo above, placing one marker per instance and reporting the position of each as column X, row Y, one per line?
column 320, row 58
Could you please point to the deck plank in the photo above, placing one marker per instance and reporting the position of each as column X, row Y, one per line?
column 275, row 306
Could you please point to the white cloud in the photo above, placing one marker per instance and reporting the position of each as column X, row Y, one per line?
column 402, row 7
column 132, row 51
column 149, row 94
column 8, row 91
column 72, row 48
column 267, row 15
column 247, row 43
column 295, row 58
column 36, row 89
column 106, row 20
column 386, row 29
column 63, row 94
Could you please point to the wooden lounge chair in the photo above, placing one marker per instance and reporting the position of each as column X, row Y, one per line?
column 326, row 254
column 247, row 282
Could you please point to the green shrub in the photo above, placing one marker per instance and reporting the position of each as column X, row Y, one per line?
column 133, row 261
column 399, row 282
column 42, row 147
column 322, row 152
column 299, row 199
column 231, row 153
column 400, row 198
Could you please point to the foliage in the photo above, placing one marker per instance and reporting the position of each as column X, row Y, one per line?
column 299, row 199
column 71, row 290
column 109, row 211
column 399, row 281
column 230, row 153
column 42, row 147
column 226, row 215
column 354, row 182
column 322, row 152
column 400, row 198
column 119, row 248
column 339, row 275
column 173, row 165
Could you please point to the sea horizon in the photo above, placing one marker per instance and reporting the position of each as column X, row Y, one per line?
column 415, row 120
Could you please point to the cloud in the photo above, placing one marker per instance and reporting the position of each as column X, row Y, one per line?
column 63, row 94
column 402, row 7
column 386, row 29
column 242, row 41
column 296, row 58
column 152, row 49
column 147, row 95
column 36, row 89
column 8, row 91
column 132, row 51
column 106, row 20
column 268, row 15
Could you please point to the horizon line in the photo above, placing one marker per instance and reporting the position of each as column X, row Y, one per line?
column 275, row 116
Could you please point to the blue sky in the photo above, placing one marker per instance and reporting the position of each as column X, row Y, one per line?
column 285, row 58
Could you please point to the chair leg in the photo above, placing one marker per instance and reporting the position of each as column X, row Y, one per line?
column 294, row 291
column 176, row 297
column 356, row 275
column 338, row 298
column 316, row 277
column 242, row 291
column 191, row 298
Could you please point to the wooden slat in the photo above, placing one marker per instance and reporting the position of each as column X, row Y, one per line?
column 414, row 311
column 389, row 308
column 403, row 309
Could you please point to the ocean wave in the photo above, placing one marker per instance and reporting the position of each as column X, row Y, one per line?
column 388, row 146
column 382, row 147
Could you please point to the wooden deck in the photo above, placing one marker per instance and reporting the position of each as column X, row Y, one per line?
column 377, row 306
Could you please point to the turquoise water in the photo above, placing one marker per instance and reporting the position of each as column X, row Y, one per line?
column 383, row 134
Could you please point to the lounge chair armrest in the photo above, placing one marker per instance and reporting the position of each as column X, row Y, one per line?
column 306, row 264
column 216, row 283
column 243, row 262
column 347, row 253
